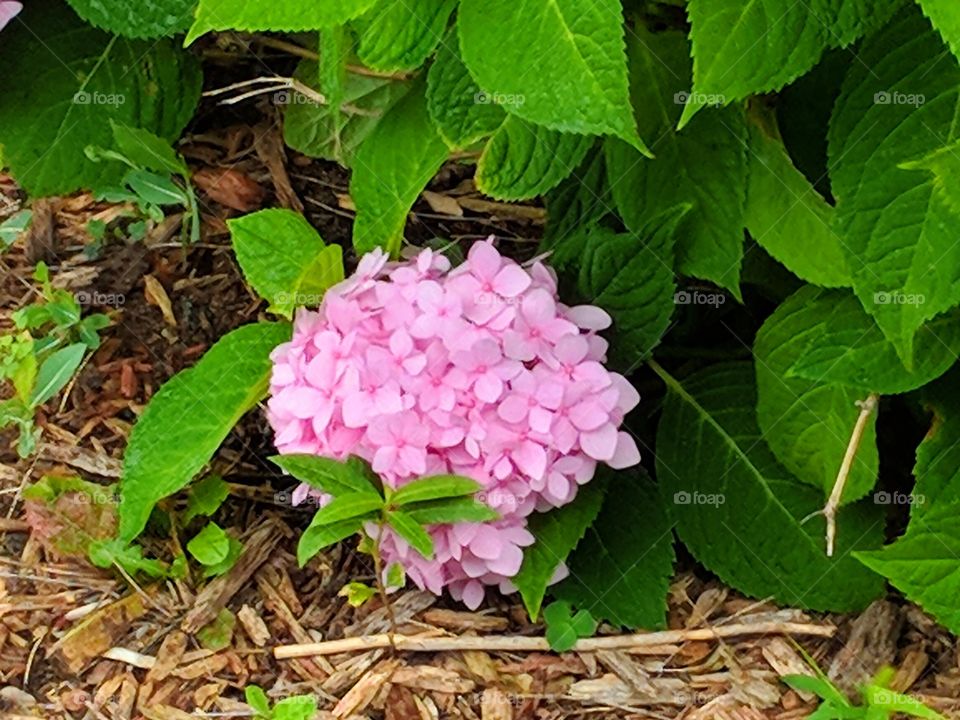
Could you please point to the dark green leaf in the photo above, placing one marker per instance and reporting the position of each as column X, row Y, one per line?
column 411, row 531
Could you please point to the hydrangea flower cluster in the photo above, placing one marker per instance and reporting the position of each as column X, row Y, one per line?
column 8, row 11
column 478, row 370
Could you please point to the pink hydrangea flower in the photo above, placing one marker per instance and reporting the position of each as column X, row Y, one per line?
column 478, row 370
column 8, row 11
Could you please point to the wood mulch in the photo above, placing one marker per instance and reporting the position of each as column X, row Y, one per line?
column 77, row 642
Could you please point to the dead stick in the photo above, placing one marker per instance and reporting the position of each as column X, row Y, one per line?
column 833, row 502
column 508, row 643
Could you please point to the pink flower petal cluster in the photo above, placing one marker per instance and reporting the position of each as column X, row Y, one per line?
column 8, row 11
column 478, row 370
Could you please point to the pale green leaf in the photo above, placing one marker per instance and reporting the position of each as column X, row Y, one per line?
column 897, row 105
column 55, row 372
column 523, row 160
column 144, row 148
column 564, row 627
column 209, row 546
column 621, row 570
column 394, row 35
column 143, row 19
column 557, row 63
column 786, row 216
column 556, row 534
column 285, row 259
column 807, row 422
column 13, row 227
column 741, row 513
column 924, row 563
column 187, row 419
column 434, row 487
column 276, row 15
column 462, row 112
column 76, row 86
column 391, row 169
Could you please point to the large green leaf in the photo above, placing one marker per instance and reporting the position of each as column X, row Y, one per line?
column 945, row 16
column 285, row 259
column 925, row 563
column 630, row 275
column 61, row 84
column 580, row 200
column 523, row 160
column 741, row 513
column 279, row 15
column 461, row 111
column 937, row 469
column 188, row 418
column 705, row 165
column 329, row 475
column 557, row 533
column 396, row 35
column 746, row 48
column 391, row 169
column 897, row 105
column 334, row 131
column 806, row 422
column 621, row 570
column 143, row 19
column 558, row 63
column 786, row 216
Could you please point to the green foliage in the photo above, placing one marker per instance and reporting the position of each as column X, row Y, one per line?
column 13, row 227
column 401, row 35
column 297, row 707
column 189, row 417
column 144, row 19
column 205, row 497
column 564, row 627
column 76, row 88
column 262, row 15
column 285, row 259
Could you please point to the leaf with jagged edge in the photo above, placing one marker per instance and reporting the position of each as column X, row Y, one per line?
column 272, row 15
column 393, row 36
column 741, row 513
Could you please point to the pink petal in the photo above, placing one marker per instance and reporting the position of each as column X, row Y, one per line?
column 626, row 455
column 513, row 408
column 589, row 317
column 511, row 280
column 486, row 543
column 588, row 415
column 484, row 260
column 488, row 387
column 473, row 595
column 531, row 458
column 600, row 444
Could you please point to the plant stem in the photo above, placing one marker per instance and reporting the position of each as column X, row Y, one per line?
column 381, row 588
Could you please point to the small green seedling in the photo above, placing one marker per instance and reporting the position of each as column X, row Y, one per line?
column 564, row 627
column 213, row 548
column 298, row 707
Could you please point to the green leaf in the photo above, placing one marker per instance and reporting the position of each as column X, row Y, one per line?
column 55, row 372
column 234, row 550
column 144, row 148
column 450, row 511
column 285, row 259
column 890, row 701
column 621, row 569
column 580, row 200
column 205, row 497
column 896, row 225
column 462, row 113
column 188, row 418
column 317, row 537
column 741, row 513
column 937, row 467
column 14, row 226
column 218, row 633
column 331, row 476
column 115, row 552
column 143, row 20
column 556, row 534
column 434, row 487
column 523, row 160
column 394, row 36
column 705, row 165
column 630, row 275
column 786, row 216
column 78, row 84
column 276, row 15
column 924, row 564
column 209, row 546
column 571, row 52
column 357, row 593
column 391, row 168
column 347, row 507
column 819, row 686
column 411, row 531
column 257, row 699
column 944, row 165
column 154, row 189
column 298, row 707
column 749, row 48
column 67, row 514
column 807, row 423
column 564, row 627
column 335, row 130
column 945, row 16
column 849, row 348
